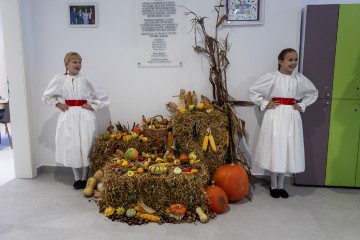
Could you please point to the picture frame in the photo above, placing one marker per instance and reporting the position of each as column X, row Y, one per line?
column 244, row 12
column 82, row 14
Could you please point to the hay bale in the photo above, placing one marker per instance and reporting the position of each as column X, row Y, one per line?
column 105, row 148
column 183, row 125
column 157, row 191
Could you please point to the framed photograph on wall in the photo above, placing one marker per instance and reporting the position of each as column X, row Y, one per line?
column 82, row 14
column 244, row 12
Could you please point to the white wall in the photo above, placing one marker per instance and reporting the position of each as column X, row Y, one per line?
column 3, row 79
column 108, row 57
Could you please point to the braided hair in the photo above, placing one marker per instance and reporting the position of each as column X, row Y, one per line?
column 283, row 53
column 70, row 56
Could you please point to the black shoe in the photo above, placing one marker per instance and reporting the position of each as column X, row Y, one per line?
column 83, row 184
column 274, row 193
column 77, row 184
column 283, row 193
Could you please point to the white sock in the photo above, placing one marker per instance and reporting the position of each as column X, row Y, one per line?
column 273, row 178
column 281, row 177
column 85, row 173
column 76, row 173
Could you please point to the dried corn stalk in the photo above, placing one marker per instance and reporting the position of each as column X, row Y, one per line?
column 216, row 52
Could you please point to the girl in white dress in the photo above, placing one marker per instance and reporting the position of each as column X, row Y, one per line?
column 283, row 94
column 77, row 97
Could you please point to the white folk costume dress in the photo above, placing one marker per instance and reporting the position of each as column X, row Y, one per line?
column 280, row 147
column 75, row 130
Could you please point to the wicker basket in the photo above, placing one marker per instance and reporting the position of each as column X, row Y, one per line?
column 158, row 135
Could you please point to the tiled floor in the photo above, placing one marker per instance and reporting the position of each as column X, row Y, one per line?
column 47, row 207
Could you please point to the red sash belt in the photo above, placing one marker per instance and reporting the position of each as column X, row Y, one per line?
column 284, row 101
column 73, row 103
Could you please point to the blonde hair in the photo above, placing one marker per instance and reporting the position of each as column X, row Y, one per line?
column 70, row 56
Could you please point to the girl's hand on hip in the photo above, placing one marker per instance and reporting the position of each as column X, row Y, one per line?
column 296, row 107
column 62, row 106
column 272, row 105
column 87, row 106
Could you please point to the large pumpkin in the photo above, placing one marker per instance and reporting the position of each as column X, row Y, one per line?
column 233, row 179
column 218, row 200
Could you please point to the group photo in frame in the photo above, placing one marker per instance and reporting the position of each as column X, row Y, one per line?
column 82, row 14
column 244, row 12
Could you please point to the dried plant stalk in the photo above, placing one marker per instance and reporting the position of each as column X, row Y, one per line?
column 216, row 51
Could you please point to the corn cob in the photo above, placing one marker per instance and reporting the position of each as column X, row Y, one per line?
column 212, row 142
column 188, row 99
column 205, row 143
column 227, row 141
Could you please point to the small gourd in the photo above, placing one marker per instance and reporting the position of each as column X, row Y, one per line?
column 109, row 211
column 100, row 186
column 131, row 212
column 157, row 169
column 177, row 211
column 202, row 216
column 90, row 186
column 120, row 211
column 177, row 171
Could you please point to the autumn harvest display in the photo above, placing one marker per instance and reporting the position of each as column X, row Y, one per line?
column 183, row 169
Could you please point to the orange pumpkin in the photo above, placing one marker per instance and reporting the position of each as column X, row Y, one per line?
column 233, row 179
column 218, row 201
column 178, row 209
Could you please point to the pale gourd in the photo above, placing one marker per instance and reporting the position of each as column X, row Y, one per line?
column 202, row 216
column 90, row 186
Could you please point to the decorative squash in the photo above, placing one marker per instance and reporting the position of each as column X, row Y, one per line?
column 202, row 216
column 157, row 169
column 233, row 179
column 120, row 211
column 90, row 186
column 177, row 211
column 131, row 212
column 109, row 211
column 131, row 154
column 218, row 201
column 147, row 216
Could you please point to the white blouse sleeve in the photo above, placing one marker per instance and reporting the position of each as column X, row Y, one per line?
column 260, row 90
column 307, row 92
column 98, row 97
column 53, row 94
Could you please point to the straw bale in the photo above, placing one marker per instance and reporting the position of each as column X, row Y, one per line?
column 156, row 191
column 183, row 124
column 105, row 149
